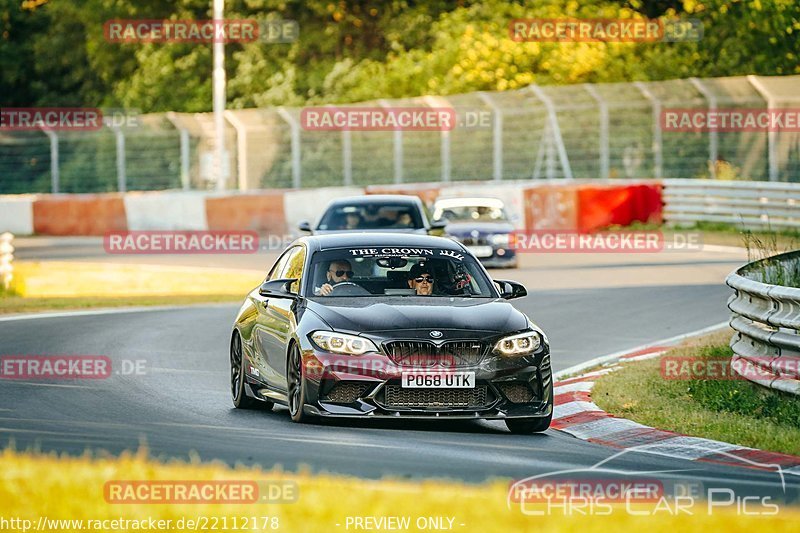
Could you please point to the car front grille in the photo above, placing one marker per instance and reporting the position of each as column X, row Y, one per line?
column 424, row 354
column 397, row 396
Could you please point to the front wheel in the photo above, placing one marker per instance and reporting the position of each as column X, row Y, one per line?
column 240, row 398
column 297, row 385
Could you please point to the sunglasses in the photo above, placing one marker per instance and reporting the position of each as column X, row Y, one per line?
column 426, row 279
column 340, row 273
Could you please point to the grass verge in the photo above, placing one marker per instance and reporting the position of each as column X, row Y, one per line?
column 724, row 235
column 734, row 411
column 733, row 235
column 33, row 486
column 18, row 304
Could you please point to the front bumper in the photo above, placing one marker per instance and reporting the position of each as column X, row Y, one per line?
column 370, row 387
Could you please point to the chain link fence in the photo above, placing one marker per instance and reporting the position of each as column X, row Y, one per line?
column 584, row 131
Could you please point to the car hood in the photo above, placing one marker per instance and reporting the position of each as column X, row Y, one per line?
column 370, row 314
column 459, row 229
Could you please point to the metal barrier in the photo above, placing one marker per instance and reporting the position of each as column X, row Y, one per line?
column 766, row 319
column 583, row 131
column 742, row 203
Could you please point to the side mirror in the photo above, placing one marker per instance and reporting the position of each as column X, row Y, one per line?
column 277, row 288
column 304, row 226
column 439, row 224
column 510, row 289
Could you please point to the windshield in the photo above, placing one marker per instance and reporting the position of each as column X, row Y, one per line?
column 471, row 213
column 371, row 216
column 398, row 272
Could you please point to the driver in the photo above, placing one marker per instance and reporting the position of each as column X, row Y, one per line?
column 420, row 278
column 338, row 271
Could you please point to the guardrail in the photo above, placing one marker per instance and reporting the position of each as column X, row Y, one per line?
column 766, row 319
column 744, row 203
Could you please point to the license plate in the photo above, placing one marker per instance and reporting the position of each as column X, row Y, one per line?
column 480, row 251
column 438, row 380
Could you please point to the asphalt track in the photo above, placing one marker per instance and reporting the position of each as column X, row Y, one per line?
column 180, row 407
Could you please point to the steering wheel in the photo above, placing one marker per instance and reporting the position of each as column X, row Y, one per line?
column 348, row 288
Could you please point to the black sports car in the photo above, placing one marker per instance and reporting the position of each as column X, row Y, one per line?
column 389, row 325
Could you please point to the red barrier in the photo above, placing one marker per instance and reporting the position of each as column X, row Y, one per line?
column 606, row 205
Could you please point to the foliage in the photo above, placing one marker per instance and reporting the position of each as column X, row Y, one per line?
column 54, row 52
column 763, row 248
column 67, row 493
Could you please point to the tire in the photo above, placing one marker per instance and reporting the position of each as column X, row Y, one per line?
column 240, row 398
column 527, row 426
column 297, row 385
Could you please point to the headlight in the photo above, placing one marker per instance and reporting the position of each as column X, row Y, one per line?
column 330, row 341
column 520, row 344
column 501, row 239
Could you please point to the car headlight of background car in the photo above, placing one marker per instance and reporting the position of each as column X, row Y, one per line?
column 519, row 344
column 500, row 239
column 331, row 341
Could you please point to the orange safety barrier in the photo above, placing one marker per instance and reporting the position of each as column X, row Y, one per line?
column 262, row 212
column 79, row 214
column 551, row 207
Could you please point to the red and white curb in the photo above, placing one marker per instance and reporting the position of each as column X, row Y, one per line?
column 576, row 414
